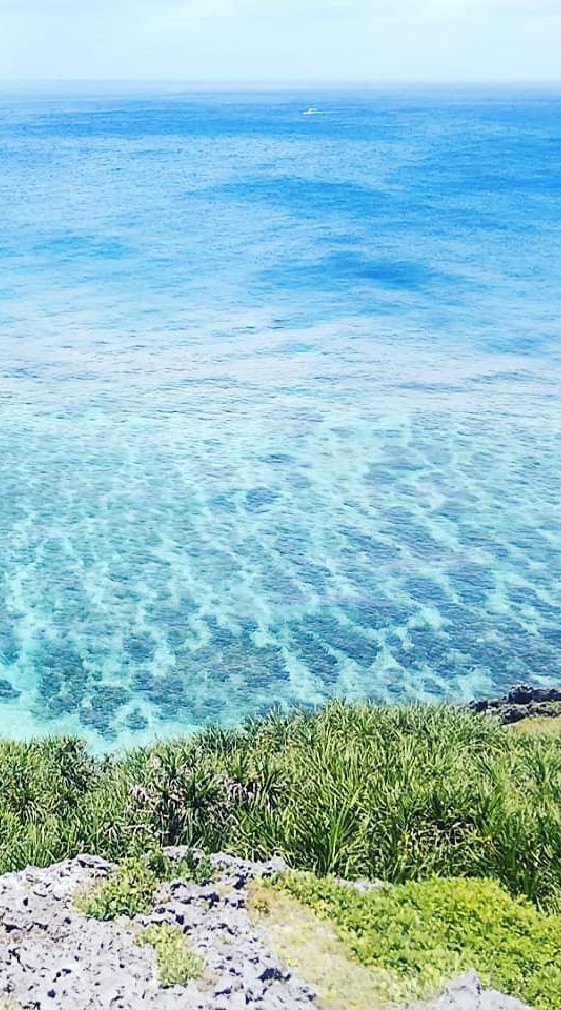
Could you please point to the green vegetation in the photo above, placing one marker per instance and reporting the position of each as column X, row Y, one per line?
column 537, row 725
column 356, row 790
column 423, row 934
column 311, row 947
column 130, row 887
column 128, row 890
column 176, row 963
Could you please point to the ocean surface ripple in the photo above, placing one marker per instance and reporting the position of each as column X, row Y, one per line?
column 280, row 403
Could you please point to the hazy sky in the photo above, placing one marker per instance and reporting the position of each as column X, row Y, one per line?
column 281, row 40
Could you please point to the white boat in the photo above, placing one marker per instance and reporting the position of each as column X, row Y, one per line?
column 311, row 112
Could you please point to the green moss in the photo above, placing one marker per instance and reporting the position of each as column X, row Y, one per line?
column 176, row 963
column 425, row 933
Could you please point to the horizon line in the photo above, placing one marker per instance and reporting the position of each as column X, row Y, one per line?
column 285, row 84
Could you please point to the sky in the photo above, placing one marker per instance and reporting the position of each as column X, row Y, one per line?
column 281, row 41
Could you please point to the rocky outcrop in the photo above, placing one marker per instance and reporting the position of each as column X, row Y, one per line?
column 466, row 994
column 522, row 702
column 52, row 956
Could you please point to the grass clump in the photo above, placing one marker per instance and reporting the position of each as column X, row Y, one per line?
column 130, row 888
column 400, row 793
column 425, row 933
column 176, row 963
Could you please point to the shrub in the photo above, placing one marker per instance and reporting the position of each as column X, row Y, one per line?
column 176, row 963
column 428, row 932
column 356, row 790
column 130, row 887
column 128, row 890
column 194, row 867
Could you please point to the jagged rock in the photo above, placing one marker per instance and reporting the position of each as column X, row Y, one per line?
column 96, row 863
column 61, row 960
column 466, row 993
column 523, row 694
column 521, row 702
column 55, row 958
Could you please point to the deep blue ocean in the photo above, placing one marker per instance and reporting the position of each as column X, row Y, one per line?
column 280, row 402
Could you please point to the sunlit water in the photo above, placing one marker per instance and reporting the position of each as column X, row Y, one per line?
column 280, row 403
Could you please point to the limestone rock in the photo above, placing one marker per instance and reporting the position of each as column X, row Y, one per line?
column 465, row 993
column 52, row 956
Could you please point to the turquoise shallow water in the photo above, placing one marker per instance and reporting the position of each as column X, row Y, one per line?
column 280, row 403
